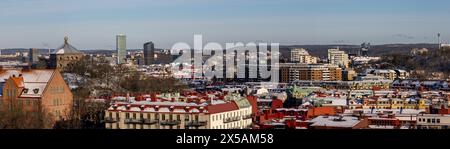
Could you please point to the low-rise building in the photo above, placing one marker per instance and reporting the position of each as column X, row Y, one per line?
column 337, row 122
column 433, row 121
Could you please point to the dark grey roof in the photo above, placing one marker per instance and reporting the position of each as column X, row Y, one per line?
column 67, row 48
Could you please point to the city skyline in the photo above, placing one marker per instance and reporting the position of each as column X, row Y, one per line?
column 93, row 25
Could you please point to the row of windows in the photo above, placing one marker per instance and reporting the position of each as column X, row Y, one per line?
column 57, row 89
column 137, row 126
column 429, row 120
column 26, row 102
column 156, row 116
column 233, row 114
column 230, row 125
column 58, row 102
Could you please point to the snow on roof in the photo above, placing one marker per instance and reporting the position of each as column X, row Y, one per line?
column 165, row 103
column 179, row 111
column 121, row 108
column 381, row 127
column 34, row 81
column 136, row 109
column 335, row 121
column 164, row 109
column 195, row 110
column 149, row 109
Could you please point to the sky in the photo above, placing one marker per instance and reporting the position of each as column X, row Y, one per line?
column 93, row 24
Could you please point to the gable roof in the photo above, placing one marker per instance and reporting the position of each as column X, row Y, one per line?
column 34, row 82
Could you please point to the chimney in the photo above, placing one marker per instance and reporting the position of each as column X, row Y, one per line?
column 153, row 97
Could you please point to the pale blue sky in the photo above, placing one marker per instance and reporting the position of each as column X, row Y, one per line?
column 93, row 24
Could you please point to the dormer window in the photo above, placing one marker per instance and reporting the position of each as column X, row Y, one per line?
column 36, row 91
column 25, row 90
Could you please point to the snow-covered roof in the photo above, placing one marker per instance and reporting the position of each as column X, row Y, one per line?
column 66, row 48
column 34, row 81
column 335, row 121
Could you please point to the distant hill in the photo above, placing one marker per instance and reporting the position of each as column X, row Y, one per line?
column 315, row 50
column 376, row 50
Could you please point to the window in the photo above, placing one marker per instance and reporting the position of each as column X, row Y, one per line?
column 428, row 120
column 438, row 120
column 163, row 117
column 433, row 120
column 127, row 115
column 178, row 118
column 186, row 117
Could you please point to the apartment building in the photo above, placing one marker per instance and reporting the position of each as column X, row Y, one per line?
column 290, row 72
column 338, row 57
column 433, row 121
column 302, row 56
column 181, row 112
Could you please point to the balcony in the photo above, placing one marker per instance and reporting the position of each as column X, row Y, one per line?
column 170, row 122
column 111, row 120
column 247, row 117
column 196, row 123
column 133, row 121
column 150, row 121
column 231, row 119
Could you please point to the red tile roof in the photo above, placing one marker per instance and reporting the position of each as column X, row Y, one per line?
column 218, row 108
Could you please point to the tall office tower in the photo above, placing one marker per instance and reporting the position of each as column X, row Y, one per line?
column 33, row 55
column 149, row 53
column 338, row 57
column 121, row 47
column 439, row 40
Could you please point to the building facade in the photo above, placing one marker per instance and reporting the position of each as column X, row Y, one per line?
column 33, row 55
column 290, row 72
column 64, row 56
column 180, row 112
column 302, row 56
column 121, row 47
column 36, row 91
column 433, row 121
column 338, row 57
column 149, row 53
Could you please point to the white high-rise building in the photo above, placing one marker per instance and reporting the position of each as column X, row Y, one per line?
column 338, row 57
column 121, row 47
column 302, row 56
